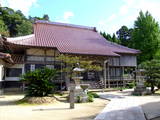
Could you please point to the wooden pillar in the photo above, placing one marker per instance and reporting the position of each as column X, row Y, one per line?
column 123, row 76
column 105, row 75
column 108, row 76
column 45, row 55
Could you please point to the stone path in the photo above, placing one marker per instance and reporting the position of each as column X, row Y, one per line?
column 121, row 107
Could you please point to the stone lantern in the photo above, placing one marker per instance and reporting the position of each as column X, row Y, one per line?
column 80, row 89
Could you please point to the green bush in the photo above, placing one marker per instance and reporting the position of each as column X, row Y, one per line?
column 95, row 95
column 90, row 98
column 79, row 99
column 39, row 82
column 131, row 85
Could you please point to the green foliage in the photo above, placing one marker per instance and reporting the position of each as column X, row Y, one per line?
column 79, row 99
column 131, row 85
column 95, row 95
column 152, row 72
column 77, row 61
column 17, row 24
column 3, row 29
column 33, row 19
column 90, row 98
column 39, row 82
column 46, row 17
column 24, row 28
column 145, row 36
column 14, row 23
column 108, row 37
column 124, row 36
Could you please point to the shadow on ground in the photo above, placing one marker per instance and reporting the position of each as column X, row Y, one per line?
column 85, row 118
column 110, row 96
column 152, row 110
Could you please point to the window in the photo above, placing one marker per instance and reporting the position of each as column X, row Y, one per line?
column 32, row 68
column 50, row 66
column 13, row 72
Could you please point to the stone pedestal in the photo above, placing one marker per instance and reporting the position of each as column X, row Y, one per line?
column 80, row 96
column 140, row 89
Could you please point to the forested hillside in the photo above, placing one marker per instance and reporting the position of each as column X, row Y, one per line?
column 14, row 23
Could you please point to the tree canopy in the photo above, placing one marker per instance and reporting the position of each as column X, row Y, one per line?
column 146, row 36
column 124, row 36
column 14, row 23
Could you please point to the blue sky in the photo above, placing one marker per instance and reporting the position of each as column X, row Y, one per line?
column 106, row 15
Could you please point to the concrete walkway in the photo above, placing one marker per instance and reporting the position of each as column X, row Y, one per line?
column 121, row 107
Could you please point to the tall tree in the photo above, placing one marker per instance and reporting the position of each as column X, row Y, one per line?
column 106, row 36
column 146, row 36
column 109, row 37
column 46, row 17
column 124, row 36
column 114, row 39
column 33, row 19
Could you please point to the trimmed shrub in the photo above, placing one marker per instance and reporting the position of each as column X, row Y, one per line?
column 131, row 85
column 90, row 98
column 95, row 95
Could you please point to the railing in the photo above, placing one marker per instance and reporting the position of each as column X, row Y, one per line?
column 31, row 58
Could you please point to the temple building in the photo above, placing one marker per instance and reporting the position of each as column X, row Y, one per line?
column 50, row 39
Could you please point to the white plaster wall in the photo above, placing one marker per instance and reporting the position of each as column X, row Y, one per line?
column 35, row 51
column 1, row 70
column 50, row 52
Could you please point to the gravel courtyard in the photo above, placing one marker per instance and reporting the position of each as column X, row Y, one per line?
column 57, row 111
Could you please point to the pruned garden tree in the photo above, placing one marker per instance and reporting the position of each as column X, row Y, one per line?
column 152, row 73
column 72, row 62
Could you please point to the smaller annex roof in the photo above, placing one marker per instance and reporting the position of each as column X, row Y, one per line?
column 71, row 39
column 6, row 57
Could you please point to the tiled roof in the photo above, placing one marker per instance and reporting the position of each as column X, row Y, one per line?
column 17, row 58
column 73, row 39
column 6, row 57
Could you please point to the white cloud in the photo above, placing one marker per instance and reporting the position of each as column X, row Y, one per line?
column 127, row 14
column 23, row 5
column 66, row 17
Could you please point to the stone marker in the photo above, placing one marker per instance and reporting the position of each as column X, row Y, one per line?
column 71, row 96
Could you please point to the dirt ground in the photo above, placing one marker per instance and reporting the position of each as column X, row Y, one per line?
column 57, row 111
